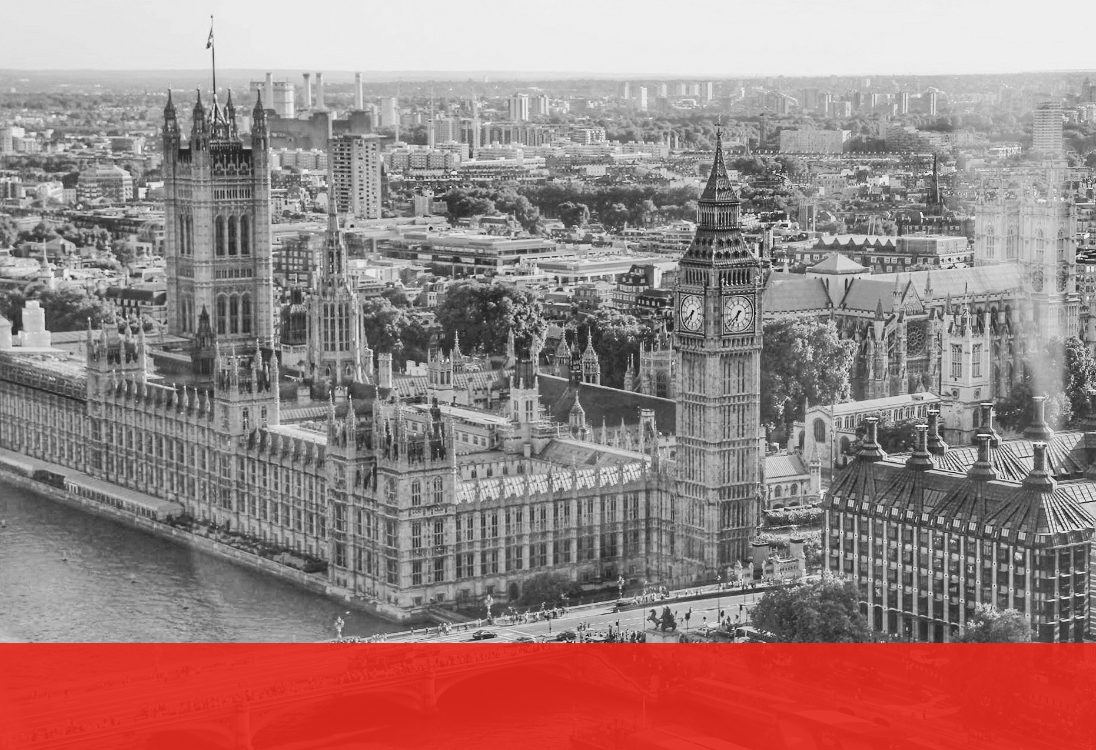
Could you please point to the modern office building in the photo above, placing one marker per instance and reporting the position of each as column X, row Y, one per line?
column 1046, row 130
column 519, row 107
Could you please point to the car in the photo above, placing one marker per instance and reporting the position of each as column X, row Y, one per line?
column 525, row 639
column 567, row 636
column 483, row 635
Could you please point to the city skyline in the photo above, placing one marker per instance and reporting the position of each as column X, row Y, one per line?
column 939, row 38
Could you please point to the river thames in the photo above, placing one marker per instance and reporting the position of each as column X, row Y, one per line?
column 121, row 584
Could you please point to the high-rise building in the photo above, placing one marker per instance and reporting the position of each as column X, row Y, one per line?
column 519, row 107
column 1046, row 130
column 390, row 112
column 355, row 165
column 663, row 90
column 217, row 229
column 904, row 103
column 682, row 89
column 538, row 105
column 626, row 90
column 717, row 334
column 641, row 99
column 810, row 100
column 932, row 102
column 709, row 91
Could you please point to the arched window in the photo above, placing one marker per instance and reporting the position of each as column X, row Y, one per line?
column 219, row 235
column 245, row 313
column 234, row 314
column 232, row 236
column 819, row 430
column 1040, row 246
column 991, row 243
column 793, row 490
column 222, row 316
column 776, row 491
column 262, row 416
column 439, row 492
column 245, row 235
column 1061, row 245
column 416, row 493
column 1012, row 243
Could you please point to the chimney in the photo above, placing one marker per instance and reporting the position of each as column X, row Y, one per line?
column 982, row 470
column 307, row 94
column 869, row 449
column 1038, row 429
column 1040, row 480
column 987, row 424
column 384, row 370
column 359, row 101
column 937, row 446
column 268, row 91
column 921, row 459
column 319, row 92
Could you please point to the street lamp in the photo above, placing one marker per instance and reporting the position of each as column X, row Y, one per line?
column 489, row 601
column 620, row 587
column 718, row 592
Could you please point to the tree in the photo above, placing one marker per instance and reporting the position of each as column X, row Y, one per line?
column 123, row 252
column 393, row 329
column 545, row 588
column 67, row 309
column 1064, row 372
column 991, row 625
column 893, row 437
column 616, row 336
column 826, row 611
column 802, row 359
column 574, row 214
column 485, row 314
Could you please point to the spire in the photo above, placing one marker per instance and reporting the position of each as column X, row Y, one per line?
column 718, row 187
column 169, row 108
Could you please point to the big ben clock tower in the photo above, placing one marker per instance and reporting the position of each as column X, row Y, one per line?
column 717, row 337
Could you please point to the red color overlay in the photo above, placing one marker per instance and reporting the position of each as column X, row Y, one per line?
column 589, row 697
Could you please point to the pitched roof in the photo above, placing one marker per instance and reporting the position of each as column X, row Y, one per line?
column 785, row 466
column 603, row 404
column 956, row 282
column 836, row 263
column 794, row 295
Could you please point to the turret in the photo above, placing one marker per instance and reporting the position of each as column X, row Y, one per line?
column 199, row 130
column 230, row 115
column 260, row 135
column 171, row 127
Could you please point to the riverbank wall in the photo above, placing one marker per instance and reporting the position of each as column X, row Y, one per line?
column 309, row 581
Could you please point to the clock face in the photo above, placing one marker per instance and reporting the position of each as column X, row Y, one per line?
column 692, row 312
column 738, row 314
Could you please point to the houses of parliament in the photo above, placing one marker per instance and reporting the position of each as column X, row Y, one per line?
column 414, row 490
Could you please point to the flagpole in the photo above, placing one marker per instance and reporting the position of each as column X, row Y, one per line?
column 213, row 52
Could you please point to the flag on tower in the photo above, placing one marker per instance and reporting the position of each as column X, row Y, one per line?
column 209, row 42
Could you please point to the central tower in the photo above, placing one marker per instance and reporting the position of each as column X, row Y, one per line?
column 217, row 229
column 717, row 338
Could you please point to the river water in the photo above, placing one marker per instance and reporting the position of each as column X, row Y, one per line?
column 121, row 584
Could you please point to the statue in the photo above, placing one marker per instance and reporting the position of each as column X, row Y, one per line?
column 666, row 623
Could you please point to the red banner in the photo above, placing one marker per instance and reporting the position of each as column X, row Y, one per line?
column 729, row 697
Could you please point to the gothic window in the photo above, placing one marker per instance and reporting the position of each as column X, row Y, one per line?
column 1040, row 246
column 438, row 491
column 245, row 313
column 246, row 419
column 991, row 249
column 819, row 430
column 956, row 361
column 776, row 491
column 1061, row 246
column 262, row 416
column 222, row 315
column 416, row 493
column 1012, row 243
column 245, row 235
column 232, row 225
column 219, row 235
column 976, row 361
column 234, row 314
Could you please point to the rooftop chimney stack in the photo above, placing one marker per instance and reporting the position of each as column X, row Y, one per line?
column 1039, row 429
column 319, row 93
column 982, row 470
column 268, row 91
column 1040, row 480
column 921, row 459
column 869, row 449
column 986, row 409
column 307, row 94
column 937, row 446
column 359, row 100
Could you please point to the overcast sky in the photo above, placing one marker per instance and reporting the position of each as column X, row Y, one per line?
column 672, row 37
